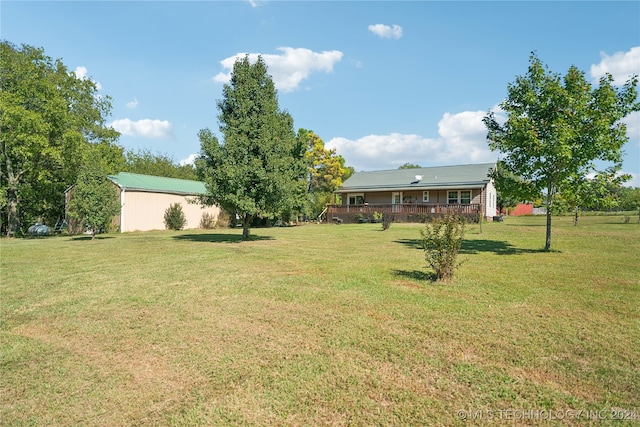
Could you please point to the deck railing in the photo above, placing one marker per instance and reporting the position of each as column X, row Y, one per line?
column 404, row 212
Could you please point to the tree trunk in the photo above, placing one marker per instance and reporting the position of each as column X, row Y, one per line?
column 575, row 218
column 13, row 223
column 246, row 221
column 12, row 180
column 547, row 245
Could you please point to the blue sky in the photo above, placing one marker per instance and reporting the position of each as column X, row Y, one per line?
column 384, row 83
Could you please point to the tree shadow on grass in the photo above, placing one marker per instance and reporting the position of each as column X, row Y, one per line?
column 416, row 275
column 497, row 247
column 412, row 243
column 470, row 247
column 81, row 238
column 220, row 238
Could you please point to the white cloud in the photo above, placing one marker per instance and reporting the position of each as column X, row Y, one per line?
column 190, row 160
column 145, row 128
column 289, row 68
column 385, row 31
column 132, row 104
column 633, row 126
column 621, row 65
column 462, row 140
column 634, row 181
column 81, row 73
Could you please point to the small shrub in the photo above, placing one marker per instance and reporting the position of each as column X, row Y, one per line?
column 360, row 218
column 441, row 240
column 174, row 218
column 208, row 221
column 387, row 219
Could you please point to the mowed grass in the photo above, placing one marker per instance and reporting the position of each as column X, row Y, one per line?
column 320, row 325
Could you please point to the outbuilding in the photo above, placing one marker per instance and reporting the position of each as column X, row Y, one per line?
column 145, row 198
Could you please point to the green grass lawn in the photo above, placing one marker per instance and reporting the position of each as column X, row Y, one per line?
column 322, row 325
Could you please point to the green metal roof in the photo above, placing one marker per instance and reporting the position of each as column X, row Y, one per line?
column 461, row 176
column 157, row 184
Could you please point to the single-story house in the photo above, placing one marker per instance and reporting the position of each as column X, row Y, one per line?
column 412, row 195
column 145, row 198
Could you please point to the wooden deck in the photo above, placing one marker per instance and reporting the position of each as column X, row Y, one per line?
column 401, row 212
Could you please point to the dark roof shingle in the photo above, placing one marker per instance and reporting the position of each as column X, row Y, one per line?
column 432, row 177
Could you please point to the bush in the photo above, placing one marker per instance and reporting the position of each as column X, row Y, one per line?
column 441, row 240
column 174, row 218
column 208, row 221
column 387, row 219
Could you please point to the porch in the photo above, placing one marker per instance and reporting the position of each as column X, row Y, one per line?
column 401, row 212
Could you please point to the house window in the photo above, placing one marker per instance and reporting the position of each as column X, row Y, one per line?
column 425, row 196
column 459, row 197
column 356, row 199
column 452, row 197
column 465, row 197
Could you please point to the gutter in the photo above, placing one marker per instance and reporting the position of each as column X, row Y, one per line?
column 421, row 188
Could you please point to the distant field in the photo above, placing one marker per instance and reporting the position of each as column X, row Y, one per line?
column 322, row 325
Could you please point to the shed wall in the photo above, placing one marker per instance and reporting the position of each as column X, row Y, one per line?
column 142, row 211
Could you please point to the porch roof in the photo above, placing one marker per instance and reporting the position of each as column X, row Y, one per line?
column 432, row 178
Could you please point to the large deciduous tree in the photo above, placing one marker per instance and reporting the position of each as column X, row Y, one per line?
column 558, row 129
column 258, row 167
column 326, row 171
column 49, row 119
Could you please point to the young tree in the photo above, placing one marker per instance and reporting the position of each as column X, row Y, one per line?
column 441, row 240
column 49, row 119
column 558, row 128
column 94, row 200
column 257, row 169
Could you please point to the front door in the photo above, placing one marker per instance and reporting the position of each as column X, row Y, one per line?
column 396, row 199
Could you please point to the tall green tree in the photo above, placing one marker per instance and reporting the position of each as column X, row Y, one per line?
column 558, row 129
column 326, row 171
column 257, row 170
column 49, row 120
column 94, row 200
